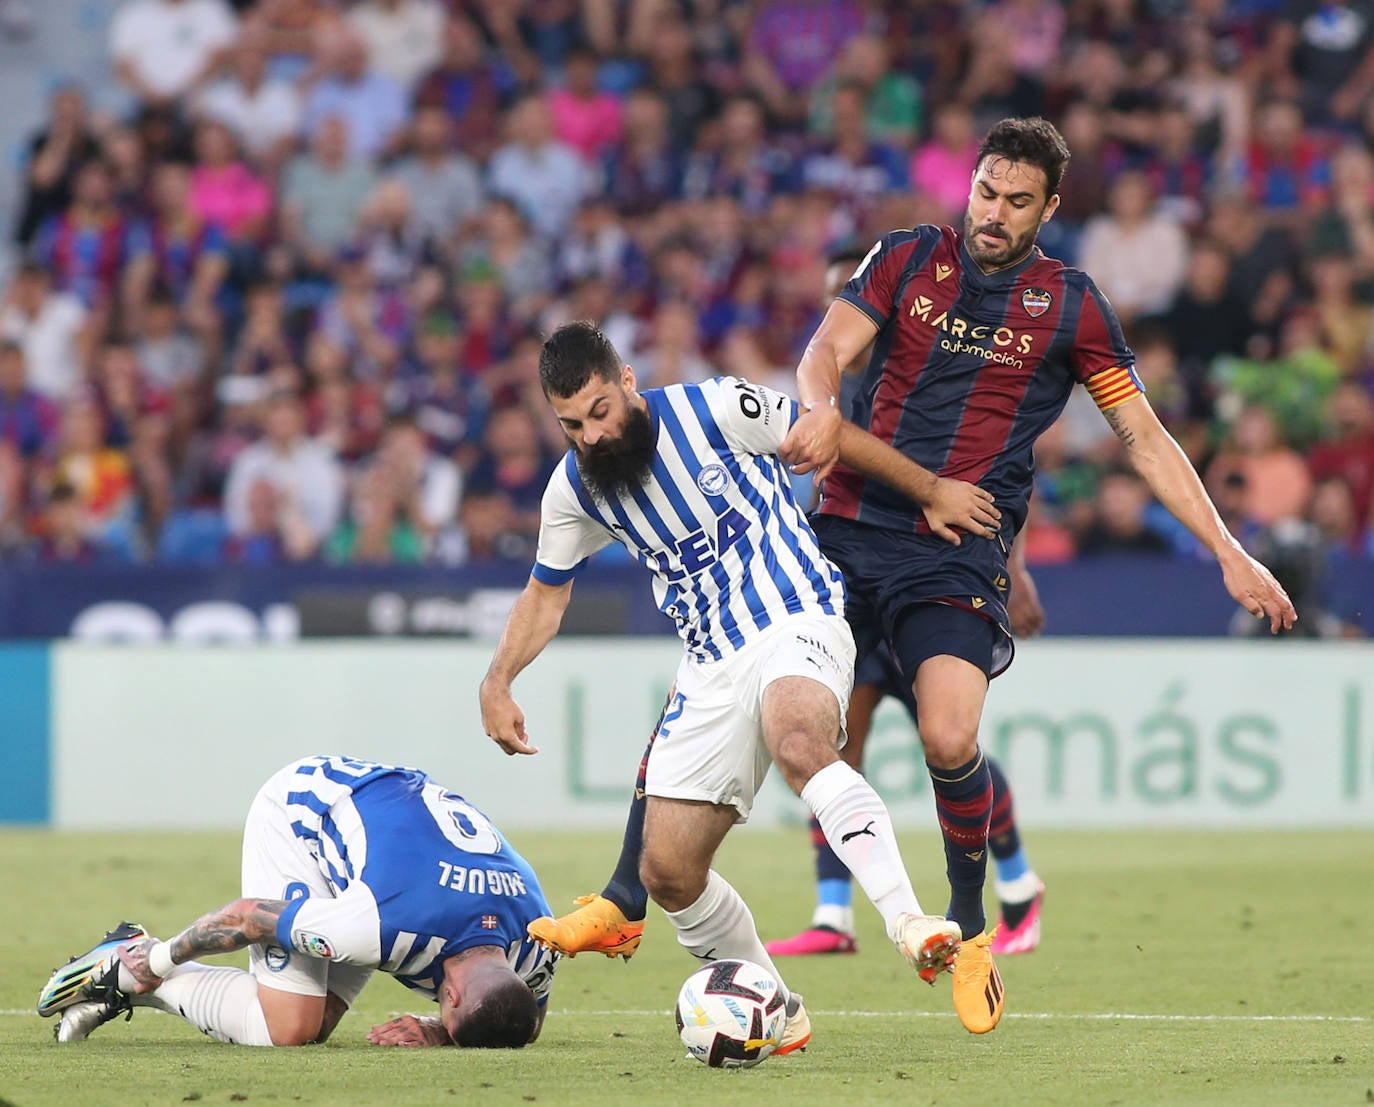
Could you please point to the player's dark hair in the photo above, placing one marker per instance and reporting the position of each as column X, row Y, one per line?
column 848, row 253
column 1034, row 141
column 572, row 355
column 503, row 1018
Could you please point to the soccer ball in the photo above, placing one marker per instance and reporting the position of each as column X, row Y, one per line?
column 731, row 1014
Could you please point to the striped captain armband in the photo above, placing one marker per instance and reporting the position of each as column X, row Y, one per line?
column 1113, row 387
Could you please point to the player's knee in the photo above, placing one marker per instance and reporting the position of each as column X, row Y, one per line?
column 668, row 883
column 799, row 755
column 947, row 745
column 294, row 1029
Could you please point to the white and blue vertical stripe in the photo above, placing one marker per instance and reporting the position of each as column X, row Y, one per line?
column 731, row 552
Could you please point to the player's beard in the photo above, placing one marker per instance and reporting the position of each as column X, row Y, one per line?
column 616, row 466
column 991, row 258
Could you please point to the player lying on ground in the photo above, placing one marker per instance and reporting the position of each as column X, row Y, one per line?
column 348, row 867
column 689, row 480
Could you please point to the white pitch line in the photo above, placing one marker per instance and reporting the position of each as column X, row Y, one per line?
column 1080, row 1016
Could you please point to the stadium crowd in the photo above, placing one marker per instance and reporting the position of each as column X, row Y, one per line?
column 290, row 306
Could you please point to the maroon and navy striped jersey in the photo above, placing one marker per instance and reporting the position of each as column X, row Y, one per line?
column 969, row 368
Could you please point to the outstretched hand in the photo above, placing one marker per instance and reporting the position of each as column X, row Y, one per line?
column 1253, row 587
column 503, row 720
column 956, row 503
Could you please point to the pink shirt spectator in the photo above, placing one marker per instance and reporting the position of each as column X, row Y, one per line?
column 943, row 173
column 232, row 197
column 591, row 125
column 1035, row 29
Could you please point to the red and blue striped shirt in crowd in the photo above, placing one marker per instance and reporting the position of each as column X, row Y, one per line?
column 968, row 368
column 86, row 258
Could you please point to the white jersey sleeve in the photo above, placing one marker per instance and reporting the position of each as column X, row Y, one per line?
column 752, row 417
column 568, row 536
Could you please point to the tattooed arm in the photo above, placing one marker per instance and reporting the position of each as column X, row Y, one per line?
column 234, row 926
column 1175, row 483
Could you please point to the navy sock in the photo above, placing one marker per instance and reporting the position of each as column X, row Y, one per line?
column 625, row 889
column 1003, row 839
column 963, row 805
column 828, row 866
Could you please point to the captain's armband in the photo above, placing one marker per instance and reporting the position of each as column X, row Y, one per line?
column 1112, row 387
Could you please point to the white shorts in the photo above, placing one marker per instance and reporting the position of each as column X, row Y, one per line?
column 710, row 745
column 277, row 865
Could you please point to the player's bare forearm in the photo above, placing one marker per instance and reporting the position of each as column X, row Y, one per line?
column 237, row 925
column 946, row 503
column 533, row 621
column 531, row 625
column 1164, row 466
column 813, row 442
column 1175, row 483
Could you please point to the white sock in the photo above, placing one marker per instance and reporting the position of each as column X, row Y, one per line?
column 218, row 1001
column 834, row 916
column 719, row 926
column 1025, row 887
column 857, row 826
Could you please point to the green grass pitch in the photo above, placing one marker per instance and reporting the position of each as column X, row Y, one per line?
column 1177, row 968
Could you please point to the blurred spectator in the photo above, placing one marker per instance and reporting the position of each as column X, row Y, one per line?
column 171, row 357
column 404, row 38
column 1120, row 525
column 322, row 195
column 87, row 247
column 676, row 78
column 544, row 176
column 164, row 48
column 1205, row 320
column 940, row 166
column 584, row 117
column 1323, row 52
column 262, row 111
column 468, row 87
column 1347, row 451
column 187, row 256
column 1286, row 171
column 1332, row 511
column 28, row 419
column 793, row 44
column 644, row 172
column 423, row 487
column 56, row 152
column 445, row 187
column 1083, row 193
column 225, row 191
column 376, row 529
column 304, row 474
column 387, row 237
column 856, row 171
column 449, row 407
column 514, row 464
column 63, row 531
column 743, row 162
column 1137, row 254
column 672, row 354
column 1263, row 258
column 1180, row 174
column 363, row 318
column 371, row 104
column 1277, row 484
column 522, row 262
column 100, row 475
column 1346, row 325
column 343, row 414
column 1348, row 225
column 52, row 327
column 892, row 99
column 1211, row 89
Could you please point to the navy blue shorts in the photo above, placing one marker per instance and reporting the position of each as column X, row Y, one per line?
column 921, row 595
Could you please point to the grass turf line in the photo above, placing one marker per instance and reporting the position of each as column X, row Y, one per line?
column 1157, row 924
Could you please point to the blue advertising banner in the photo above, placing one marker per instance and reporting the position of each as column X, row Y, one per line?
column 1105, row 597
column 24, row 721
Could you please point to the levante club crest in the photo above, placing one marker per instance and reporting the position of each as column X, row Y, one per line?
column 1036, row 301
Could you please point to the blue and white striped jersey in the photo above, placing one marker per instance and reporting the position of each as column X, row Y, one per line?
column 716, row 523
column 418, row 874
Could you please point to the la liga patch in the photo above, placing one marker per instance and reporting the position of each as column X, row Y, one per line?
column 1036, row 301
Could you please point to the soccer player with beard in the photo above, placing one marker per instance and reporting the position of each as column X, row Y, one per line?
column 689, row 479
column 978, row 338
